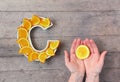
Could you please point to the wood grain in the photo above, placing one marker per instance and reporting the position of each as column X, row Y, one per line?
column 94, row 19
column 52, row 76
column 61, row 5
column 57, row 62
column 34, row 76
column 9, row 47
column 65, row 23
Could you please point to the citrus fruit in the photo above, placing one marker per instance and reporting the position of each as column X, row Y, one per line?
column 42, row 57
column 35, row 20
column 45, row 22
column 21, row 27
column 26, row 24
column 33, row 56
column 54, row 44
column 26, row 50
column 24, row 39
column 82, row 52
column 50, row 52
column 22, row 33
column 23, row 42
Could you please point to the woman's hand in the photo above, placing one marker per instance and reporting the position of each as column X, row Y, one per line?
column 94, row 63
column 75, row 65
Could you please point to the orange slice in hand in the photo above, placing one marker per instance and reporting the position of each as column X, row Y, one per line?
column 54, row 44
column 82, row 52
column 45, row 22
column 42, row 57
column 23, row 42
column 26, row 24
column 50, row 52
column 33, row 56
column 22, row 33
column 35, row 20
column 26, row 50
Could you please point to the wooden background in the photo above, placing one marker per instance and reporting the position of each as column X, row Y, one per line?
column 95, row 19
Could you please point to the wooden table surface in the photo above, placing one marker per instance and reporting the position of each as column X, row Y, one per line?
column 94, row 19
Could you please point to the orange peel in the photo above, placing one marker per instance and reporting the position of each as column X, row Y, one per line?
column 24, row 39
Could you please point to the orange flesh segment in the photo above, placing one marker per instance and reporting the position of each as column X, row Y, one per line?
column 42, row 57
column 45, row 22
column 35, row 20
column 22, row 33
column 50, row 52
column 33, row 56
column 82, row 52
column 54, row 44
column 26, row 50
column 26, row 24
column 23, row 42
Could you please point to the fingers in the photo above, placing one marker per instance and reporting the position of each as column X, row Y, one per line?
column 102, row 57
column 78, row 42
column 67, row 58
column 72, row 50
column 75, row 44
column 88, row 43
column 94, row 46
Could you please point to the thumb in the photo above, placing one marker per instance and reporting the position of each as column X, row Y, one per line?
column 102, row 57
column 67, row 58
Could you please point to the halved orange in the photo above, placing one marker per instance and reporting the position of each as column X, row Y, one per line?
column 27, row 24
column 50, row 52
column 35, row 20
column 23, row 42
column 42, row 57
column 82, row 52
column 22, row 33
column 26, row 50
column 45, row 22
column 54, row 44
column 33, row 56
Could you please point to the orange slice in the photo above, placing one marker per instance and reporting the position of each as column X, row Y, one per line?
column 26, row 50
column 54, row 44
column 45, row 22
column 82, row 52
column 21, row 27
column 35, row 20
column 22, row 33
column 50, row 52
column 27, row 23
column 23, row 42
column 33, row 56
column 42, row 57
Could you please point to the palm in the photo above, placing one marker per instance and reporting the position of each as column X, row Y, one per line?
column 72, row 63
column 76, row 67
column 95, row 62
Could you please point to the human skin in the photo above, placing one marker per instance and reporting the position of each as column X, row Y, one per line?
column 91, row 65
column 94, row 63
column 75, row 65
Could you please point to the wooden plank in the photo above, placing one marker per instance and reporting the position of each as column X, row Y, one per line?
column 111, row 60
column 9, row 47
column 65, row 23
column 61, row 5
column 21, row 63
column 34, row 76
column 108, row 75
column 57, row 62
